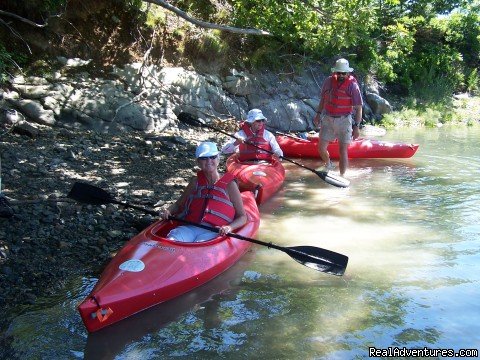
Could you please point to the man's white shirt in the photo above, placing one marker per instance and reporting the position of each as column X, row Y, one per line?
column 229, row 148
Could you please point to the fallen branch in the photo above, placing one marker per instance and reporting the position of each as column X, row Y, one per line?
column 21, row 18
column 205, row 24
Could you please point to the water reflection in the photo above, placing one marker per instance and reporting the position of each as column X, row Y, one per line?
column 410, row 228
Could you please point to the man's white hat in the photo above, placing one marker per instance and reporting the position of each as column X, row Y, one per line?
column 255, row 114
column 342, row 65
column 206, row 149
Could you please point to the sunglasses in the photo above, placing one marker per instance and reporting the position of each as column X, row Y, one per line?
column 207, row 157
column 342, row 73
column 261, row 120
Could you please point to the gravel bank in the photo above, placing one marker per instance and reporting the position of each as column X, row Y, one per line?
column 51, row 238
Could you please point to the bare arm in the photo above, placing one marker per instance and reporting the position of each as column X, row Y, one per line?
column 240, row 215
column 357, row 119
column 231, row 146
column 358, row 114
column 316, row 119
column 177, row 206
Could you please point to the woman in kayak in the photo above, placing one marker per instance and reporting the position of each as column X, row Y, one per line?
column 210, row 199
column 253, row 131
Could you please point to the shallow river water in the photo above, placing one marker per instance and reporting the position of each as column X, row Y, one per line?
column 411, row 229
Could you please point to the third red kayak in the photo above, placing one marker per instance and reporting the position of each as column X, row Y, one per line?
column 359, row 148
column 264, row 178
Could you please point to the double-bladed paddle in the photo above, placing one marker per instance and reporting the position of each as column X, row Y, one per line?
column 324, row 175
column 313, row 257
column 289, row 135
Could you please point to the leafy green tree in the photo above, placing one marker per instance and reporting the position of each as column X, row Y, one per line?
column 406, row 43
column 411, row 44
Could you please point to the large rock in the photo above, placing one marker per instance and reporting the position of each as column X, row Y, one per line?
column 149, row 98
column 378, row 104
column 238, row 83
column 35, row 111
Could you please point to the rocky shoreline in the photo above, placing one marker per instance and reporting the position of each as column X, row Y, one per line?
column 50, row 237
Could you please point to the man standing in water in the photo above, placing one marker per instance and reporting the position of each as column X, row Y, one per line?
column 339, row 113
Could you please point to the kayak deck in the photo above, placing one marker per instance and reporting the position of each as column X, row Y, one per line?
column 264, row 178
column 150, row 269
column 360, row 148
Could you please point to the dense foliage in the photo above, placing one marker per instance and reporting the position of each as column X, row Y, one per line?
column 411, row 44
column 408, row 45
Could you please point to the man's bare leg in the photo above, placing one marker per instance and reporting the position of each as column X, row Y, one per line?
column 322, row 150
column 343, row 150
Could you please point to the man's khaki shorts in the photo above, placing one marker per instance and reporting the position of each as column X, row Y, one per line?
column 340, row 128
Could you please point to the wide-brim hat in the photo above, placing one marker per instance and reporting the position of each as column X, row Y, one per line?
column 206, row 149
column 254, row 115
column 342, row 65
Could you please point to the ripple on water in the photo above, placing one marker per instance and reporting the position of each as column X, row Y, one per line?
column 410, row 228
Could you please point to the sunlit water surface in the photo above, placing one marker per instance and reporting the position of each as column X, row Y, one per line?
column 409, row 226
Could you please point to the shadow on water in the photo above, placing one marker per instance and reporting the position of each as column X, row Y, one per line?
column 114, row 340
column 56, row 332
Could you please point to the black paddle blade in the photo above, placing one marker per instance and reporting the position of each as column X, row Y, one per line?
column 89, row 194
column 332, row 179
column 319, row 259
column 189, row 119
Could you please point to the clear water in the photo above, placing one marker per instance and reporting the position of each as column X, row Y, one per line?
column 409, row 226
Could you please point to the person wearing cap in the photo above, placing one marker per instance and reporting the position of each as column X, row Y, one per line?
column 210, row 199
column 253, row 131
column 339, row 113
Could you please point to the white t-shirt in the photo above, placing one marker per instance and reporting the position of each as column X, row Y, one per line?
column 229, row 148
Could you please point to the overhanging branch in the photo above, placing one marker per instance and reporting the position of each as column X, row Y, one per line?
column 205, row 24
column 29, row 22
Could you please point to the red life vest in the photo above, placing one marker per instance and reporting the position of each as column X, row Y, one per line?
column 210, row 204
column 337, row 101
column 248, row 152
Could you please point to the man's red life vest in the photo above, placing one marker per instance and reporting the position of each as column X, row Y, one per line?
column 248, row 152
column 337, row 101
column 210, row 204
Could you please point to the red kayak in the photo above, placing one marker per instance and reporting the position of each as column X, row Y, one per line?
column 150, row 269
column 264, row 178
column 359, row 148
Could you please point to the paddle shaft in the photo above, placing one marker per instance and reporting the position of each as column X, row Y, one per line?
column 206, row 227
column 313, row 257
column 289, row 135
column 237, row 236
column 324, row 175
column 249, row 143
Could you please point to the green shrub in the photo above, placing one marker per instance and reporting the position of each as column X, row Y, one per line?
column 208, row 46
column 9, row 62
column 5, row 63
column 155, row 16
column 473, row 81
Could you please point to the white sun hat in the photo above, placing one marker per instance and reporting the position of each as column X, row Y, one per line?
column 254, row 115
column 206, row 149
column 342, row 65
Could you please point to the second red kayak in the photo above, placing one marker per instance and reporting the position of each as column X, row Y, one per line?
column 359, row 148
column 263, row 178
column 150, row 269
